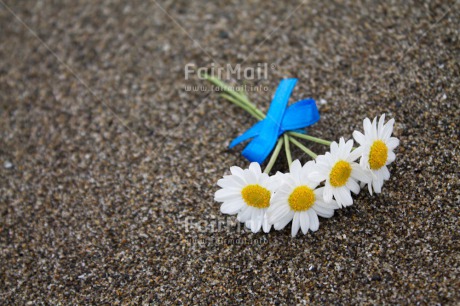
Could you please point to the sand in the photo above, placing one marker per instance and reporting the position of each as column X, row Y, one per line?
column 108, row 164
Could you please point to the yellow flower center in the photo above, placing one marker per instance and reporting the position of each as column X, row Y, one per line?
column 302, row 198
column 378, row 155
column 256, row 196
column 340, row 173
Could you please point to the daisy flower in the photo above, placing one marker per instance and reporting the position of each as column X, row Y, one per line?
column 246, row 193
column 376, row 147
column 340, row 172
column 298, row 200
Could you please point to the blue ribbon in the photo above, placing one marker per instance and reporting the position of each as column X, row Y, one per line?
column 278, row 120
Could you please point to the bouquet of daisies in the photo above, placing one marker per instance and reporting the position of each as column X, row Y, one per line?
column 318, row 187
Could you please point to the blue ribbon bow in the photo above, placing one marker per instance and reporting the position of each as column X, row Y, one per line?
column 278, row 120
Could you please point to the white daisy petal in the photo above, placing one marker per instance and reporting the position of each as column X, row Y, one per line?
column 323, row 160
column 305, row 180
column 343, row 147
column 392, row 143
column 277, row 199
column 317, row 176
column 225, row 194
column 344, row 195
column 251, row 177
column 327, row 194
column 309, row 164
column 231, row 181
column 248, row 224
column 385, row 173
column 348, row 146
column 353, row 186
column 359, row 137
column 231, row 207
column 319, row 193
column 364, row 161
column 374, row 127
column 295, row 224
column 360, row 174
column 377, row 185
column 334, row 148
column 388, row 129
column 277, row 213
column 355, row 154
column 307, row 169
column 332, row 204
column 304, row 222
column 266, row 226
column 227, row 183
column 391, row 157
column 320, row 166
column 337, row 197
column 296, row 166
column 323, row 211
column 257, row 219
column 380, row 126
column 276, row 181
column 296, row 170
column 255, row 167
column 281, row 223
column 367, row 126
column 237, row 171
column 314, row 222
column 264, row 180
column 245, row 214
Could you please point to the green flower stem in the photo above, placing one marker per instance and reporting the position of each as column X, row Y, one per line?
column 226, row 88
column 311, row 138
column 242, row 105
column 287, row 149
column 243, row 93
column 274, row 156
column 303, row 148
column 235, row 94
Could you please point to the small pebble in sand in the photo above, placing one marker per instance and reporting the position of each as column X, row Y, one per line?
column 7, row 165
